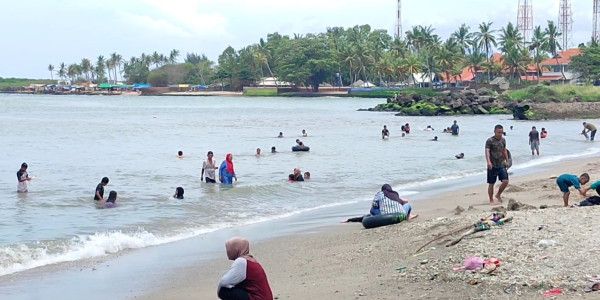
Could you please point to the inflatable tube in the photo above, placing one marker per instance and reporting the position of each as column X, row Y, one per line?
column 300, row 148
column 382, row 220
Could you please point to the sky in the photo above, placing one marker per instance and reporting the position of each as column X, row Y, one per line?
column 38, row 33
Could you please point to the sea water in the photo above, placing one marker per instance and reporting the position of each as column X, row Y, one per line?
column 71, row 142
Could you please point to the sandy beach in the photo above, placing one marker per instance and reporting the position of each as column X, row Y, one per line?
column 345, row 261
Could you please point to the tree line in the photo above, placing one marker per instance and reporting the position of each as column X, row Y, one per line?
column 339, row 56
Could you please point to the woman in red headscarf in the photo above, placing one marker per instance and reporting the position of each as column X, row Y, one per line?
column 226, row 170
column 246, row 279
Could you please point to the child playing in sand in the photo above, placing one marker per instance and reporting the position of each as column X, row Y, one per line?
column 565, row 181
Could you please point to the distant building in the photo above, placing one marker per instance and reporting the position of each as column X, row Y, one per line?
column 557, row 69
column 272, row 82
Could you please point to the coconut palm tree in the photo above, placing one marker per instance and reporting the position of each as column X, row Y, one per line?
column 411, row 65
column 51, row 69
column 516, row 60
column 156, row 59
column 116, row 62
column 539, row 44
column 510, row 37
column 100, row 65
column 62, row 71
column 86, row 67
column 554, row 43
column 463, row 38
column 475, row 61
column 485, row 39
column 173, row 56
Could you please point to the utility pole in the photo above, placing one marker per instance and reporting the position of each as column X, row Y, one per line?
column 565, row 22
column 398, row 33
column 596, row 28
column 525, row 20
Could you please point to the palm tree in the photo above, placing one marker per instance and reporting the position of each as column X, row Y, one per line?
column 86, row 67
column 475, row 60
column 510, row 37
column 62, row 71
column 463, row 38
column 173, row 56
column 411, row 65
column 539, row 44
column 51, row 69
column 485, row 39
column 100, row 64
column 517, row 59
column 116, row 61
column 156, row 59
column 554, row 43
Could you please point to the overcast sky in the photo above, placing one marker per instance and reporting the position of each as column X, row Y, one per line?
column 37, row 33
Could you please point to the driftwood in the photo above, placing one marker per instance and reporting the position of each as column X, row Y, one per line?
column 448, row 234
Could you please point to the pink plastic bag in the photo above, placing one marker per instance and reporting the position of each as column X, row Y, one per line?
column 473, row 263
column 553, row 292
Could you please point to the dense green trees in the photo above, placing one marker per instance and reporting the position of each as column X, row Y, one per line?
column 338, row 56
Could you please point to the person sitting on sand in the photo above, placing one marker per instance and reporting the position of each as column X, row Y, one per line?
column 387, row 201
column 544, row 133
column 273, row 149
column 280, row 134
column 226, row 170
column 460, row 156
column 385, row 133
column 180, row 154
column 435, row 139
column 258, row 152
column 246, row 278
column 306, row 175
column 565, row 181
column 178, row 193
column 304, row 134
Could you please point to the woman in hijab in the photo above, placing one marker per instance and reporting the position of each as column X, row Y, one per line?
column 246, row 279
column 226, row 170
column 387, row 201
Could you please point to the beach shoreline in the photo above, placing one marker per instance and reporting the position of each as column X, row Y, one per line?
column 339, row 261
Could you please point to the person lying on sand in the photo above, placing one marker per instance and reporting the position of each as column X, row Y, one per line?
column 565, row 181
column 246, row 279
column 387, row 201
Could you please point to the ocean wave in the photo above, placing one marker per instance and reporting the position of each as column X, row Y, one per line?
column 21, row 257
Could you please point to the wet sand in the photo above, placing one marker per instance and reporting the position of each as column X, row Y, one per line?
column 345, row 261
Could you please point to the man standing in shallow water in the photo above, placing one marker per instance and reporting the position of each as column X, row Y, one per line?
column 496, row 156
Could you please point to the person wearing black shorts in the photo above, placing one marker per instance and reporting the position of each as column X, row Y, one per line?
column 496, row 156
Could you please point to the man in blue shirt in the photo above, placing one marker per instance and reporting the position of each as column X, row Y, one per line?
column 454, row 128
column 565, row 181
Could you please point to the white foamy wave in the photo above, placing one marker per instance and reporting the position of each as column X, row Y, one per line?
column 17, row 258
column 553, row 158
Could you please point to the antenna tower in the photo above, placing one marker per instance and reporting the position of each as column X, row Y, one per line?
column 398, row 33
column 525, row 19
column 566, row 23
column 596, row 30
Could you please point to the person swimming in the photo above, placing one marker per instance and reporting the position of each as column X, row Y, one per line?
column 179, row 154
column 258, row 151
column 304, row 134
column 178, row 193
column 273, row 149
column 306, row 175
column 111, row 201
column 280, row 134
column 429, row 128
column 460, row 156
column 435, row 139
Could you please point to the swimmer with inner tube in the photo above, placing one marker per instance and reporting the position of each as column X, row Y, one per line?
column 387, row 201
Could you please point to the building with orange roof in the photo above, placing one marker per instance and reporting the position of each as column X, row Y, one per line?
column 557, row 69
